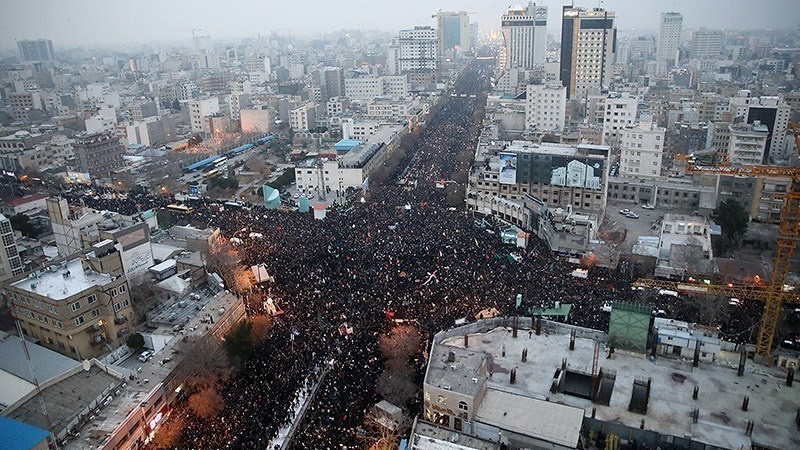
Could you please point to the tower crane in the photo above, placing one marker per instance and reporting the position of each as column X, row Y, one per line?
column 773, row 294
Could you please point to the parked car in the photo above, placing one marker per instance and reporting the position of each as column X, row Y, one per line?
column 648, row 206
column 625, row 211
column 146, row 355
column 632, row 215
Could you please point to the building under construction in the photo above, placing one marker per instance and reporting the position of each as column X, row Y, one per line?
column 523, row 383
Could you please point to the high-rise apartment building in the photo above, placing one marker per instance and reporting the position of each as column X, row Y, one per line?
column 748, row 143
column 545, row 107
column 330, row 81
column 620, row 112
column 36, row 50
column 98, row 154
column 303, row 118
column 198, row 111
column 707, row 44
column 525, row 36
column 771, row 112
column 418, row 50
column 393, row 59
column 453, row 30
column 669, row 38
column 588, row 48
column 642, row 148
column 10, row 262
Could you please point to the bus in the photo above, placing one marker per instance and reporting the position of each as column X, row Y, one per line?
column 220, row 162
column 211, row 174
column 183, row 209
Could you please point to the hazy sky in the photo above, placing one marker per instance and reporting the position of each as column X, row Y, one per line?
column 71, row 22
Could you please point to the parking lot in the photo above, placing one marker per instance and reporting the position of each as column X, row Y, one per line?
column 642, row 226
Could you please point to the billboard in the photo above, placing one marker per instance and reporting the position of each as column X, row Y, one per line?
column 566, row 171
column 508, row 168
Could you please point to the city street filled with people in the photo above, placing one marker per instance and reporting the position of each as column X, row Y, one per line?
column 342, row 281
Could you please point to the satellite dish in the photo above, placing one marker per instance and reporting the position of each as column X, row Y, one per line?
column 86, row 365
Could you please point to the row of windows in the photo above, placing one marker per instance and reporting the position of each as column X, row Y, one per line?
column 22, row 312
column 118, row 306
column 118, row 290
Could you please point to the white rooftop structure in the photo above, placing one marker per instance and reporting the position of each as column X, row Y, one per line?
column 60, row 282
column 165, row 265
column 359, row 156
column 552, row 422
column 669, row 405
column 14, row 389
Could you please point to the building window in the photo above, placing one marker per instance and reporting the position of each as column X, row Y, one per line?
column 75, row 306
column 91, row 299
column 79, row 321
column 117, row 307
column 463, row 406
column 53, row 309
column 58, row 324
column 95, row 313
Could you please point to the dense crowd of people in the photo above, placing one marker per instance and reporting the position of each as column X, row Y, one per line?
column 400, row 254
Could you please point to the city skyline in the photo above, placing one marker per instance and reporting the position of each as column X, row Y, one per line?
column 88, row 22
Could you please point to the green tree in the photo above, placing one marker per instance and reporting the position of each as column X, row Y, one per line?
column 135, row 341
column 732, row 218
column 176, row 105
column 223, row 183
column 239, row 341
column 22, row 223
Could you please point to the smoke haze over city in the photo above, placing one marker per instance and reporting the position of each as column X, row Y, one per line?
column 97, row 23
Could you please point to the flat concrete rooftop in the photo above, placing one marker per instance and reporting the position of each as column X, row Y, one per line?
column 721, row 422
column 58, row 286
column 65, row 399
column 428, row 436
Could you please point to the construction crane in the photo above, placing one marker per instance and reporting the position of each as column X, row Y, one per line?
column 774, row 293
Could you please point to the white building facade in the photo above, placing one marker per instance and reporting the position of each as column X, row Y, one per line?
column 418, row 49
column 199, row 110
column 10, row 262
column 621, row 110
column 525, row 36
column 669, row 38
column 642, row 148
column 545, row 107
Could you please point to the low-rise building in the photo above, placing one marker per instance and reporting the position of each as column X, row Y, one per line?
column 29, row 204
column 678, row 339
column 79, row 306
column 351, row 170
column 560, row 175
column 684, row 247
column 502, row 381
